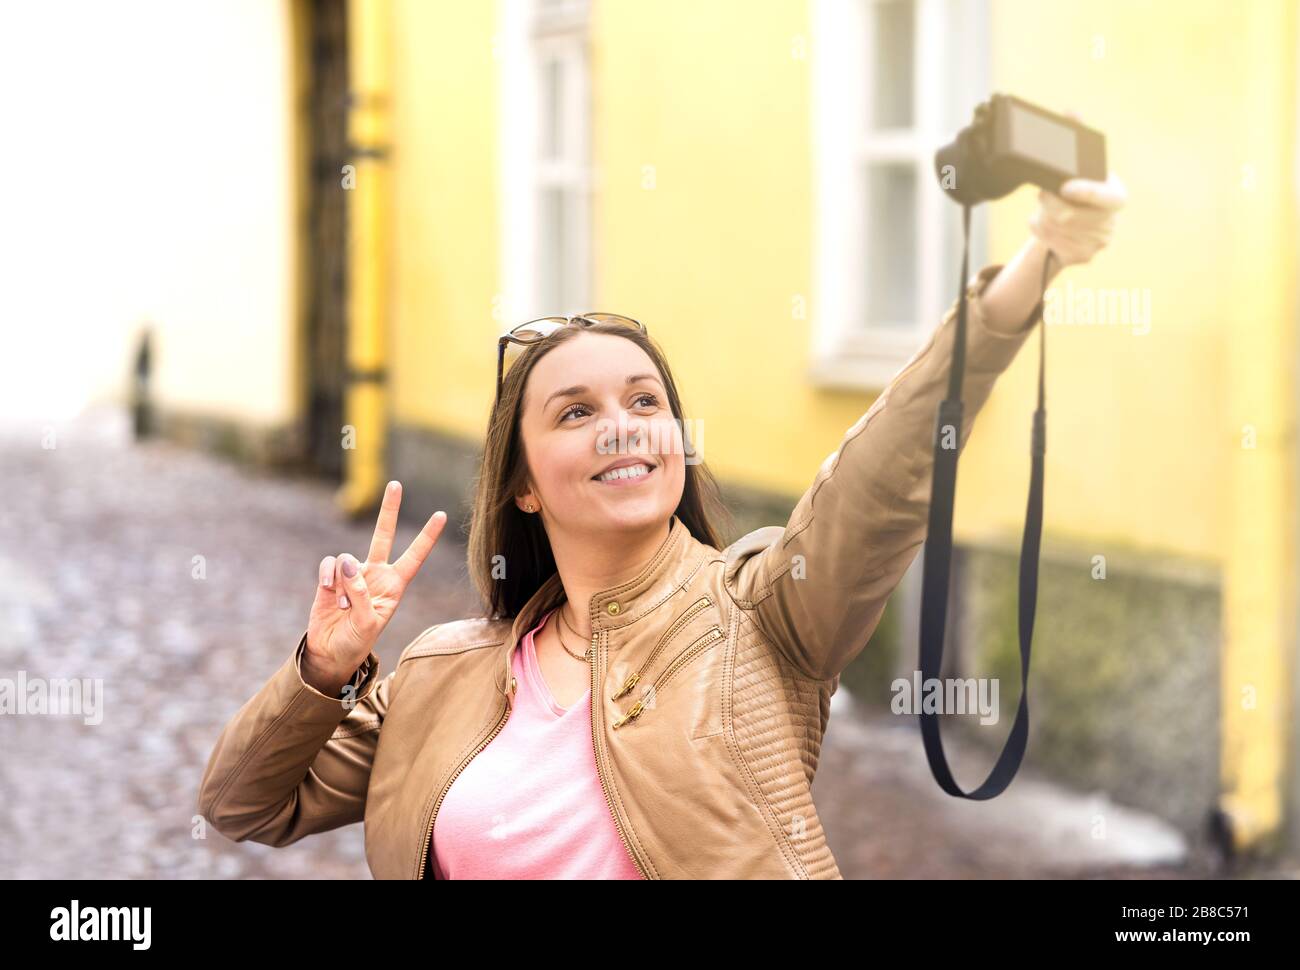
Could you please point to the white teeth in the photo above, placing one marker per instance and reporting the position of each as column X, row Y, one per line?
column 628, row 471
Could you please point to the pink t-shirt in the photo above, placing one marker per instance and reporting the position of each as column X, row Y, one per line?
column 530, row 805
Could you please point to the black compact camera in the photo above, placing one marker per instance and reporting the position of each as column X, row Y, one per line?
column 1011, row 142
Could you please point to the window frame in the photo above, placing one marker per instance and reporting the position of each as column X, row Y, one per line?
column 846, row 353
column 535, row 32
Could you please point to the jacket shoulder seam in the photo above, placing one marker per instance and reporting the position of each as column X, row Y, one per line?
column 760, row 594
column 427, row 645
column 414, row 644
column 442, row 650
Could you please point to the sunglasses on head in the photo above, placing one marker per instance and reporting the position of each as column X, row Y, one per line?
column 517, row 338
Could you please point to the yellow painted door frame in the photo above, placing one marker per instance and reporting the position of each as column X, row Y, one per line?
column 365, row 406
column 1259, row 602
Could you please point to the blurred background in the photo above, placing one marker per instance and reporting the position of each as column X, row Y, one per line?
column 255, row 255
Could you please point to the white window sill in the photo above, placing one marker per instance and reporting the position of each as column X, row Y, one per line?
column 864, row 364
column 840, row 374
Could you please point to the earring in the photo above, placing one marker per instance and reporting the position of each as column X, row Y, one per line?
column 528, row 508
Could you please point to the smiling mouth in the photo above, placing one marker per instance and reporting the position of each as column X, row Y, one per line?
column 625, row 475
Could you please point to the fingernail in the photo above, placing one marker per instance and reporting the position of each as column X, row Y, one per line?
column 349, row 568
column 343, row 602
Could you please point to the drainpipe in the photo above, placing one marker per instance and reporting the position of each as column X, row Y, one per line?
column 365, row 401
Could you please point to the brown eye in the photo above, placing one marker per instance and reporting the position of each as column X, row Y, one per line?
column 570, row 409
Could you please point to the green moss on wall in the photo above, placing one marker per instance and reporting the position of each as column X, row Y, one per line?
column 1124, row 674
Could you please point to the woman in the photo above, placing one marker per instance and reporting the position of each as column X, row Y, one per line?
column 639, row 702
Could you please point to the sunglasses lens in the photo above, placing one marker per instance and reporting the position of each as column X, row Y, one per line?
column 535, row 330
column 614, row 318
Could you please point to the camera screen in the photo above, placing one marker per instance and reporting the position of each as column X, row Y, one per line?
column 1045, row 140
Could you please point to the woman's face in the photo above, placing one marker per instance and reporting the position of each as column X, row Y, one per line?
column 595, row 401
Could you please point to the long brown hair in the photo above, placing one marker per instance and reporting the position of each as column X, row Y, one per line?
column 499, row 528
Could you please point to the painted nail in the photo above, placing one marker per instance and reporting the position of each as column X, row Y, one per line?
column 349, row 568
column 343, row 602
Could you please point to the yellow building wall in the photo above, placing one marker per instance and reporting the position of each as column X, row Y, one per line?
column 445, row 215
column 704, row 228
column 225, row 278
column 721, row 245
column 1137, row 450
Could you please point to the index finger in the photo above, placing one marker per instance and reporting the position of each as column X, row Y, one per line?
column 418, row 550
column 381, row 544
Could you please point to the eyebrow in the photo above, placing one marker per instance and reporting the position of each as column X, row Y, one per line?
column 583, row 388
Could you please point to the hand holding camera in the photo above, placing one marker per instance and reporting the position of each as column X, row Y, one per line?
column 1080, row 221
column 1010, row 142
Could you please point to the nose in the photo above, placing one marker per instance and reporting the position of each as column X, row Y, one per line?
column 625, row 435
column 638, row 432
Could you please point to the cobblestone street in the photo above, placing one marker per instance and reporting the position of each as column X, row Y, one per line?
column 181, row 581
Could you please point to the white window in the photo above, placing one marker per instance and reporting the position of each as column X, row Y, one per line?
column 546, row 173
column 893, row 80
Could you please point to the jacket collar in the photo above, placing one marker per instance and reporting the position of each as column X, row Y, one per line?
column 677, row 559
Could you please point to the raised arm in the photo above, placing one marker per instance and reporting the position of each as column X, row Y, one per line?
column 818, row 586
column 296, row 758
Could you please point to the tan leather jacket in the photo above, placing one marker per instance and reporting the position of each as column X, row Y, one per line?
column 711, row 682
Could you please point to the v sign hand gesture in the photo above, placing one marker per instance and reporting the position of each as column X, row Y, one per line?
column 355, row 600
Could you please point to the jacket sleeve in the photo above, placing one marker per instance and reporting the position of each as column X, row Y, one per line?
column 818, row 586
column 293, row 761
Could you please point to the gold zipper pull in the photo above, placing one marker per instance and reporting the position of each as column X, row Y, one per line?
column 627, row 686
column 702, row 603
column 634, row 711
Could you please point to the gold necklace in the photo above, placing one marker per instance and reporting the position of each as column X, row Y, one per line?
column 584, row 657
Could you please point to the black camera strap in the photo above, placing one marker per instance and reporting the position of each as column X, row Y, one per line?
column 938, row 551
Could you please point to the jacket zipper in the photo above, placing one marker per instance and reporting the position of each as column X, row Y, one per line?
column 428, row 835
column 687, row 655
column 595, row 747
column 672, row 631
